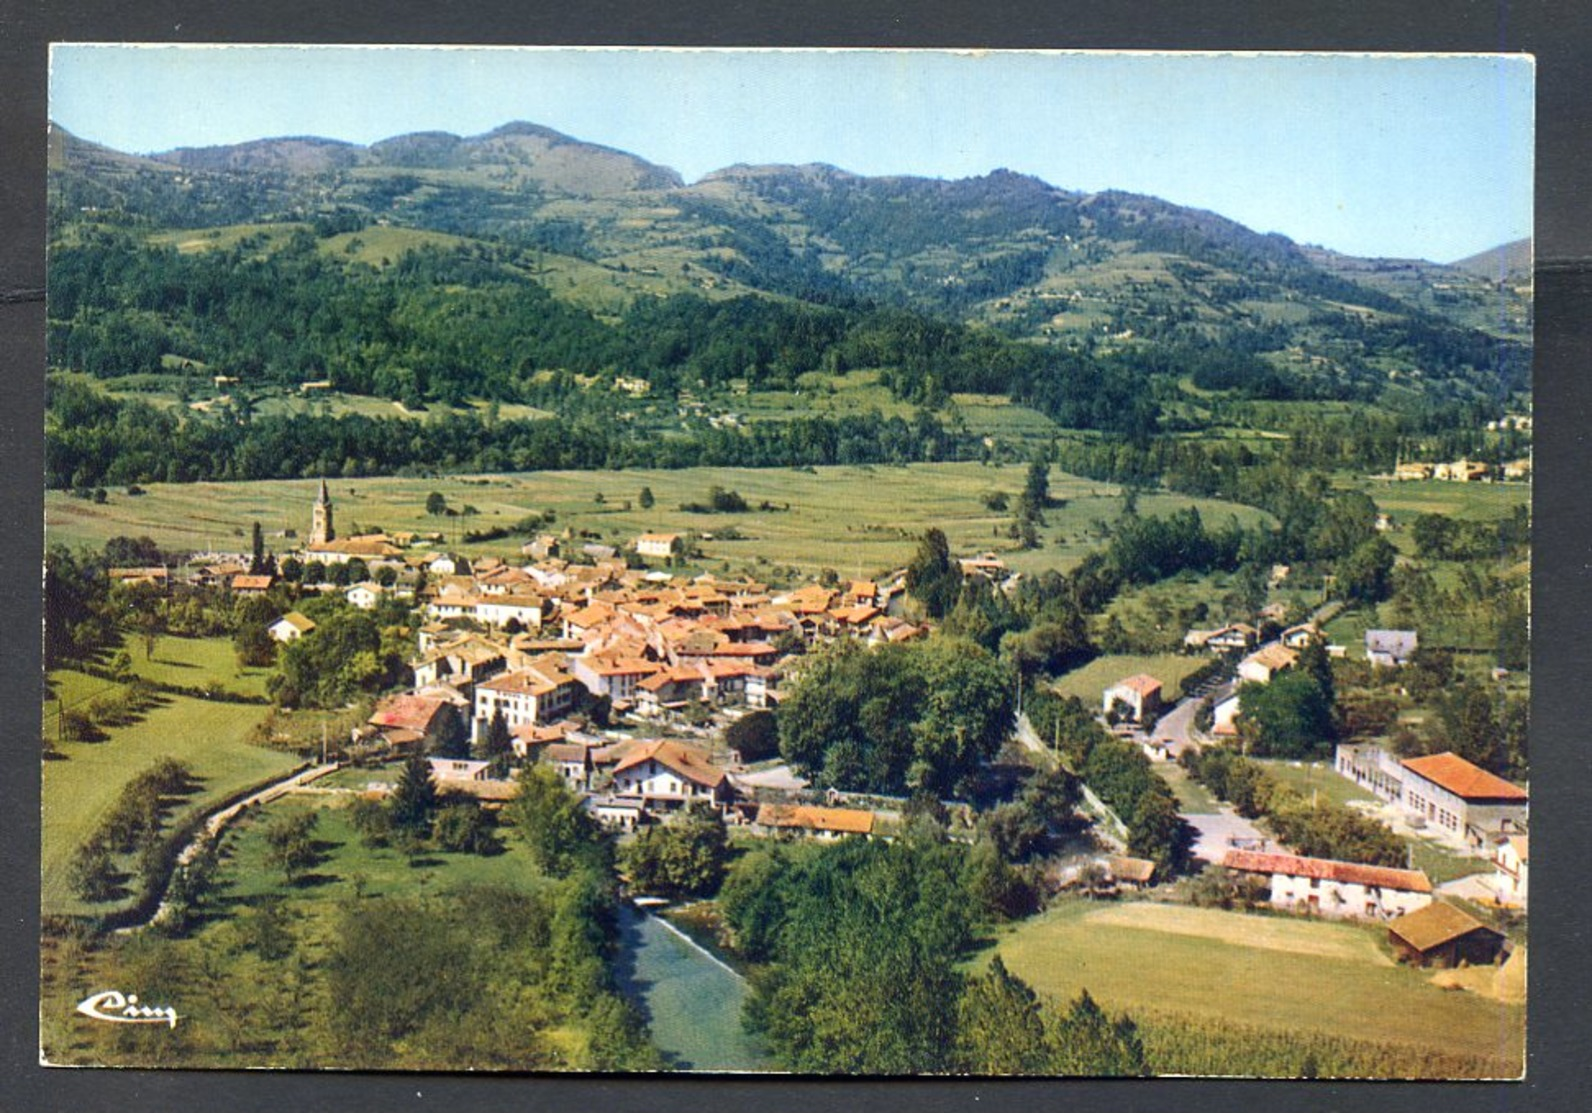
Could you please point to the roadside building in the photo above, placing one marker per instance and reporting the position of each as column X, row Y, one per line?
column 668, row 774
column 1461, row 802
column 1263, row 664
column 812, row 822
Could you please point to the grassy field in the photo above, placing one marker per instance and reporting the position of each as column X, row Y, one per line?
column 1273, row 973
column 1090, row 681
column 1315, row 777
column 1193, row 798
column 1473, row 501
column 197, row 662
column 858, row 520
column 209, row 737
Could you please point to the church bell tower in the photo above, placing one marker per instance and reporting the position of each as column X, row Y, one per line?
column 321, row 530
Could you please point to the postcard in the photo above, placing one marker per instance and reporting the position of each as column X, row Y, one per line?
column 844, row 562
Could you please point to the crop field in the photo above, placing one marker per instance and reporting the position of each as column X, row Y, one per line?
column 858, row 520
column 1473, row 501
column 210, row 737
column 1271, row 973
column 1090, row 681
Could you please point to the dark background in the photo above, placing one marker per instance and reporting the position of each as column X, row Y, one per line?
column 1558, row 32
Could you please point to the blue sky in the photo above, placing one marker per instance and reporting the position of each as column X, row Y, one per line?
column 1423, row 156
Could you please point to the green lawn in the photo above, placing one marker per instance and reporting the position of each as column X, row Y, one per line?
column 197, row 663
column 209, row 737
column 858, row 520
column 1274, row 973
column 1475, row 501
column 1089, row 682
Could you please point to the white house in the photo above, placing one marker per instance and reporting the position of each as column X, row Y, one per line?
column 536, row 694
column 667, row 773
column 1341, row 890
column 290, row 627
column 365, row 596
column 1511, row 867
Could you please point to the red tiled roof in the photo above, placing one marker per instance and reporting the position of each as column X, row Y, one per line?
column 691, row 764
column 1143, row 684
column 847, row 820
column 410, row 712
column 1467, row 781
column 1349, row 873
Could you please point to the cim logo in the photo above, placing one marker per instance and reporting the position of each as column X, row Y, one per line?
column 111, row 1005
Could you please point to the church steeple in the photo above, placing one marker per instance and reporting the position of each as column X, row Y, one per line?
column 321, row 529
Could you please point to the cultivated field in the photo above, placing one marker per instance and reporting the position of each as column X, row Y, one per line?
column 858, row 520
column 1474, row 501
column 1089, row 682
column 1270, row 973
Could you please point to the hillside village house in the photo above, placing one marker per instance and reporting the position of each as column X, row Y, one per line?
column 365, row 595
column 1140, row 695
column 247, row 584
column 466, row 660
column 1297, row 637
column 661, row 545
column 671, row 775
column 290, row 627
column 1237, row 637
column 1460, row 803
column 158, row 575
column 406, row 722
column 1259, row 667
column 538, row 693
column 1390, row 648
column 1340, row 890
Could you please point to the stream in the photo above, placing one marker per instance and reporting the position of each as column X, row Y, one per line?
column 691, row 999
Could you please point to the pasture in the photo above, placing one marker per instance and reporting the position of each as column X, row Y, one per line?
column 1090, row 681
column 211, row 738
column 1279, row 975
column 859, row 520
column 1482, row 502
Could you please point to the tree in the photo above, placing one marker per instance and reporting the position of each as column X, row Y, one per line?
column 560, row 832
column 931, row 578
column 436, row 504
column 257, row 550
column 291, row 842
column 1363, row 575
column 464, row 827
column 1088, row 1042
column 1157, row 832
column 683, row 858
column 754, row 736
column 495, row 744
column 91, row 874
column 1000, row 1026
column 646, row 499
column 1288, row 717
column 414, row 797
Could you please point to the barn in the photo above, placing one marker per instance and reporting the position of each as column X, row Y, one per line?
column 1442, row 935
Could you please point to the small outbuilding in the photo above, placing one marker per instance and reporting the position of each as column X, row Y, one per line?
column 1442, row 935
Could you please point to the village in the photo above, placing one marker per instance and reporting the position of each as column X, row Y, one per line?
column 650, row 694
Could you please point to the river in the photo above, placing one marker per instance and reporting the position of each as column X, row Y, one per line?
column 691, row 999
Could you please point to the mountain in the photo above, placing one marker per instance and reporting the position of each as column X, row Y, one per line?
column 1510, row 260
column 988, row 271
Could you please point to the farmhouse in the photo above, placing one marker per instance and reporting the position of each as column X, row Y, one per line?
column 1341, row 890
column 813, row 822
column 365, row 595
column 290, row 627
column 1390, row 647
column 1442, row 935
column 1135, row 873
column 1238, row 636
column 1140, row 694
column 1297, row 637
column 252, row 585
column 1511, row 866
column 667, row 773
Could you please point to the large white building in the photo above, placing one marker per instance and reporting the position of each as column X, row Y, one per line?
column 536, row 694
column 1340, row 890
column 1453, row 799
